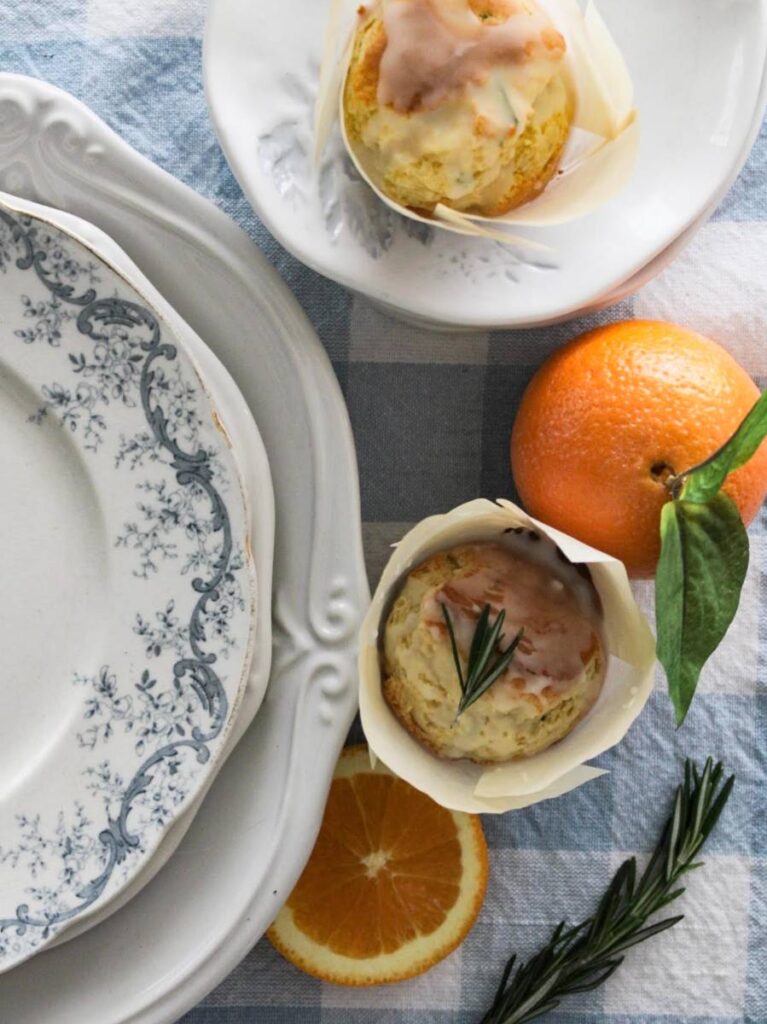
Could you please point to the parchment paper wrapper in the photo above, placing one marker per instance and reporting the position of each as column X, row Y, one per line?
column 463, row 785
column 599, row 157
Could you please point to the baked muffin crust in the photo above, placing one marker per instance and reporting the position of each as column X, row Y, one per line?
column 556, row 674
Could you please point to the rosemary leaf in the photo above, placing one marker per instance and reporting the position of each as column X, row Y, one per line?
column 600, row 979
column 717, row 807
column 477, row 669
column 487, row 660
column 454, row 646
column 480, row 634
column 646, row 933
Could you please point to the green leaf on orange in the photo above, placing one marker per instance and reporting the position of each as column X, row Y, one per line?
column 702, row 566
column 704, row 481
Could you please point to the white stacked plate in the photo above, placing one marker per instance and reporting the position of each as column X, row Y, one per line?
column 139, row 531
column 128, row 551
column 699, row 73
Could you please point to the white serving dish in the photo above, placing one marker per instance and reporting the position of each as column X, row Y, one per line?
column 127, row 550
column 697, row 74
column 662, row 260
column 164, row 951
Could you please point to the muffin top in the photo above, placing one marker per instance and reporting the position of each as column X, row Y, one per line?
column 436, row 49
column 463, row 102
column 554, row 677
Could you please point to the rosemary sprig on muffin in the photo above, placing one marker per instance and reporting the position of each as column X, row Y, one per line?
column 487, row 659
column 583, row 957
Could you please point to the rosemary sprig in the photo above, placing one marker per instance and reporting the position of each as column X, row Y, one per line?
column 580, row 958
column 487, row 660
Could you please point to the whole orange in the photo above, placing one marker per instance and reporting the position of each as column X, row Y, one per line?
column 609, row 417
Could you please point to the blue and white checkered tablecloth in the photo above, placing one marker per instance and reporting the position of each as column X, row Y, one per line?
column 138, row 64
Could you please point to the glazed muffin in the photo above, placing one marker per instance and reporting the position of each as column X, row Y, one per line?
column 557, row 670
column 459, row 102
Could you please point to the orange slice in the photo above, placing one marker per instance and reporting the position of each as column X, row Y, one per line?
column 393, row 885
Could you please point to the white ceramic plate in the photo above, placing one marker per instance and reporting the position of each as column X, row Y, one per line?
column 160, row 955
column 662, row 260
column 250, row 455
column 697, row 72
column 126, row 553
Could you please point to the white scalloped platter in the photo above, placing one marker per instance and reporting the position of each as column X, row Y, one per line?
column 697, row 75
column 159, row 955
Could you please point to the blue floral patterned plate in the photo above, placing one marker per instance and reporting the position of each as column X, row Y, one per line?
column 128, row 598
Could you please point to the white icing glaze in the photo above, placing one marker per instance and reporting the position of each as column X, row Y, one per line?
column 541, row 593
column 452, row 89
column 435, row 48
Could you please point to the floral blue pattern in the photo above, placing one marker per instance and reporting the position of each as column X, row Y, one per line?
column 176, row 712
column 349, row 209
